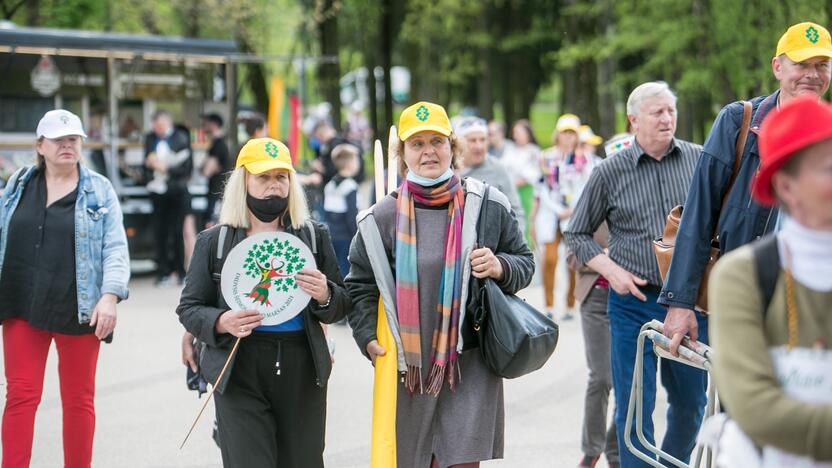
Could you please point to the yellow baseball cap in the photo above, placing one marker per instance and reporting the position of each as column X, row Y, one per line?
column 264, row 154
column 568, row 122
column 423, row 116
column 804, row 41
column 586, row 135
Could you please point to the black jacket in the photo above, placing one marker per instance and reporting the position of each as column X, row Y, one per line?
column 201, row 304
column 179, row 175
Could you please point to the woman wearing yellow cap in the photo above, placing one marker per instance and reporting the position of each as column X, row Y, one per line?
column 418, row 248
column 271, row 401
column 551, row 207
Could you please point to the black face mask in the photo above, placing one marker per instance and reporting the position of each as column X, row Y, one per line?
column 266, row 209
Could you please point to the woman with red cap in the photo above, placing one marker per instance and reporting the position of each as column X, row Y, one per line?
column 772, row 304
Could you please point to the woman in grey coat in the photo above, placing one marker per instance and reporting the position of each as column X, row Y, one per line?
column 416, row 250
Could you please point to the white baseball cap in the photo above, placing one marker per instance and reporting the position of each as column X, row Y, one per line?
column 469, row 124
column 59, row 123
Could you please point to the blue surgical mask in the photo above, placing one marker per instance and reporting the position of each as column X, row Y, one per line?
column 425, row 182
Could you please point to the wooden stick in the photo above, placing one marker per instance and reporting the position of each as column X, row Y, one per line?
column 211, row 393
column 392, row 167
column 378, row 158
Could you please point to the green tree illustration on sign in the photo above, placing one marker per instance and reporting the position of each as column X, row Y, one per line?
column 273, row 264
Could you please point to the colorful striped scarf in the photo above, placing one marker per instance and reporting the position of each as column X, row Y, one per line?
column 443, row 357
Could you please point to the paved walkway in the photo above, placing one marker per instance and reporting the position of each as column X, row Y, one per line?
column 144, row 409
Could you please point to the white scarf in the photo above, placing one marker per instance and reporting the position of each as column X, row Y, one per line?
column 810, row 252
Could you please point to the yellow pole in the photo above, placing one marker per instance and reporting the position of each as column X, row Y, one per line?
column 385, row 385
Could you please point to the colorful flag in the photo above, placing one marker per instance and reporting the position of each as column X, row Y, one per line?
column 277, row 103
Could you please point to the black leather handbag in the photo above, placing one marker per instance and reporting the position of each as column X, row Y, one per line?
column 515, row 339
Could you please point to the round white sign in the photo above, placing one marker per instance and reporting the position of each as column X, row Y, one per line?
column 259, row 274
column 45, row 77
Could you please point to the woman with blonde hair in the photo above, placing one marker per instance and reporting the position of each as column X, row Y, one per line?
column 450, row 405
column 271, row 401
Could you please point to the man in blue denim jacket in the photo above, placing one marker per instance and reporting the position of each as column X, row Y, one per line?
column 802, row 66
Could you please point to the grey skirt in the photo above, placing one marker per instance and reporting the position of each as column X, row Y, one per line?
column 461, row 426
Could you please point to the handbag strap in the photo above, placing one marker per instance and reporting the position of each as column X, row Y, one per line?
column 479, row 311
column 483, row 211
column 738, row 151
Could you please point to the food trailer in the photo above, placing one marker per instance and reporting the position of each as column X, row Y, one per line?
column 114, row 82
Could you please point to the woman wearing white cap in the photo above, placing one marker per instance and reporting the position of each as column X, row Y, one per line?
column 64, row 265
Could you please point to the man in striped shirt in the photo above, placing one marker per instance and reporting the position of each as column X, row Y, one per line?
column 633, row 192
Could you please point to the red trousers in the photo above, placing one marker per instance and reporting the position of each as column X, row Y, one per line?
column 25, row 349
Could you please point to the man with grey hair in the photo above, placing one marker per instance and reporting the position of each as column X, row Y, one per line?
column 479, row 164
column 633, row 193
column 802, row 66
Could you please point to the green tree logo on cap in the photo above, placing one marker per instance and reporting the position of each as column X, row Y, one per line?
column 271, row 149
column 65, row 119
column 274, row 264
column 812, row 34
column 422, row 113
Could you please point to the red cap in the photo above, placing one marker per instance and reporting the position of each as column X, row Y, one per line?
column 798, row 124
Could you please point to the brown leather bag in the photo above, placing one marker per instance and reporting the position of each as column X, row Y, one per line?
column 663, row 246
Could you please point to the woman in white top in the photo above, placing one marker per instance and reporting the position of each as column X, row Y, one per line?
column 521, row 163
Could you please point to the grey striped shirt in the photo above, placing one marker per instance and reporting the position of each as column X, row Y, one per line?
column 633, row 193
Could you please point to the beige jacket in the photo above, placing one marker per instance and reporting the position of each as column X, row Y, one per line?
column 586, row 277
column 742, row 336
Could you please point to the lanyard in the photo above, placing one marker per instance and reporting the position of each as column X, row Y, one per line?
column 791, row 305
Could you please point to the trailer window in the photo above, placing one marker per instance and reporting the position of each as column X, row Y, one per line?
column 22, row 114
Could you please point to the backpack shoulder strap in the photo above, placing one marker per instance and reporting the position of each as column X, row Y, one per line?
column 220, row 249
column 14, row 179
column 767, row 268
column 312, row 239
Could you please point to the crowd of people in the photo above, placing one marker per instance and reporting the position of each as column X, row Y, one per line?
column 759, row 192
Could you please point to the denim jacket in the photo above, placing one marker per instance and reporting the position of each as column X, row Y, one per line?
column 743, row 220
column 102, row 263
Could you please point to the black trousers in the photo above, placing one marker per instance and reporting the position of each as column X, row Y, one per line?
column 169, row 214
column 268, row 420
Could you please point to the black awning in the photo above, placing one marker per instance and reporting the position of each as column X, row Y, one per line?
column 97, row 41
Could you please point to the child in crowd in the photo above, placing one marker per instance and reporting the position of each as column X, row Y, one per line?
column 340, row 202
